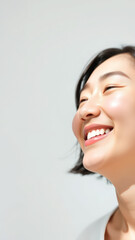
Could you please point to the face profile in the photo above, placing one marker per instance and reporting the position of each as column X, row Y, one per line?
column 104, row 125
column 108, row 100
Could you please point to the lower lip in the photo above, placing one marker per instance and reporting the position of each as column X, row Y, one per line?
column 95, row 139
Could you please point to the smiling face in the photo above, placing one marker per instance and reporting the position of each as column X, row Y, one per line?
column 108, row 100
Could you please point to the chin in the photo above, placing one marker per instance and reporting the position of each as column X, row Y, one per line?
column 94, row 162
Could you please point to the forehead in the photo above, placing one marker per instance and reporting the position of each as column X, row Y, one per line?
column 121, row 63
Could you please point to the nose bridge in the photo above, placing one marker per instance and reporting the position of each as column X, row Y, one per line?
column 91, row 107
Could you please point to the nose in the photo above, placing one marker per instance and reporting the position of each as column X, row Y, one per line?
column 90, row 109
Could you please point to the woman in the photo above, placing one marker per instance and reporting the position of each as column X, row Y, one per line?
column 104, row 125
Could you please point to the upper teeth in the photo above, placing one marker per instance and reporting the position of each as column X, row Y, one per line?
column 97, row 132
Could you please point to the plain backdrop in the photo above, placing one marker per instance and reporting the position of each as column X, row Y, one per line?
column 44, row 46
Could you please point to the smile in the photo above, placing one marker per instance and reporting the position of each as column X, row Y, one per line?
column 94, row 133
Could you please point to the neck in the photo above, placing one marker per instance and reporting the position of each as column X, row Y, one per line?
column 127, row 208
column 124, row 183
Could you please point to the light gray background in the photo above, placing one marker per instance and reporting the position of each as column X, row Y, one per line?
column 44, row 46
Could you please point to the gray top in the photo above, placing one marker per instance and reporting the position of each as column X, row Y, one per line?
column 96, row 230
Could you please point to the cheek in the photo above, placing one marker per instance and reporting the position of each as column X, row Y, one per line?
column 121, row 109
column 76, row 126
column 119, row 105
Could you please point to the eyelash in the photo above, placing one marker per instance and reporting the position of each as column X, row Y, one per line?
column 107, row 88
column 82, row 100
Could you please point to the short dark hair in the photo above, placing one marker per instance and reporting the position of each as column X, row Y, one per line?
column 92, row 65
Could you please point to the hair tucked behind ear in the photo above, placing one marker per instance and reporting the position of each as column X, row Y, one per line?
column 100, row 58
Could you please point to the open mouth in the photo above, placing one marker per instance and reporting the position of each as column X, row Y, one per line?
column 94, row 135
column 97, row 132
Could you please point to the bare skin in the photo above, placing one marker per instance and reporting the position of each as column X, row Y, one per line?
column 114, row 229
column 113, row 156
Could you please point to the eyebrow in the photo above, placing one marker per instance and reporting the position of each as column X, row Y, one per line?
column 106, row 75
column 109, row 74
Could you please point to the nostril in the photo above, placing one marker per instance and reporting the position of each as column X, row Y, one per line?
column 85, row 117
column 89, row 115
column 86, row 112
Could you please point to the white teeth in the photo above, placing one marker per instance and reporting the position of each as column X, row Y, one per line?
column 107, row 130
column 97, row 132
column 89, row 136
column 93, row 133
column 102, row 131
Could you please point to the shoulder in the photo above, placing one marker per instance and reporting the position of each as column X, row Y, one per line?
column 92, row 231
column 96, row 229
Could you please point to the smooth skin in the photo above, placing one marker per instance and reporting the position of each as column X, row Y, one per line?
column 109, row 98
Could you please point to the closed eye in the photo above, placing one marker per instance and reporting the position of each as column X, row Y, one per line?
column 82, row 100
column 110, row 87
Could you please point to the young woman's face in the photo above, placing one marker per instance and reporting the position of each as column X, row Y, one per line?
column 108, row 100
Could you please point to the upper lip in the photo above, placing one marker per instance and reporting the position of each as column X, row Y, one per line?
column 95, row 126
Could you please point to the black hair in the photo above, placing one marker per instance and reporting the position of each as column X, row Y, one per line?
column 92, row 65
